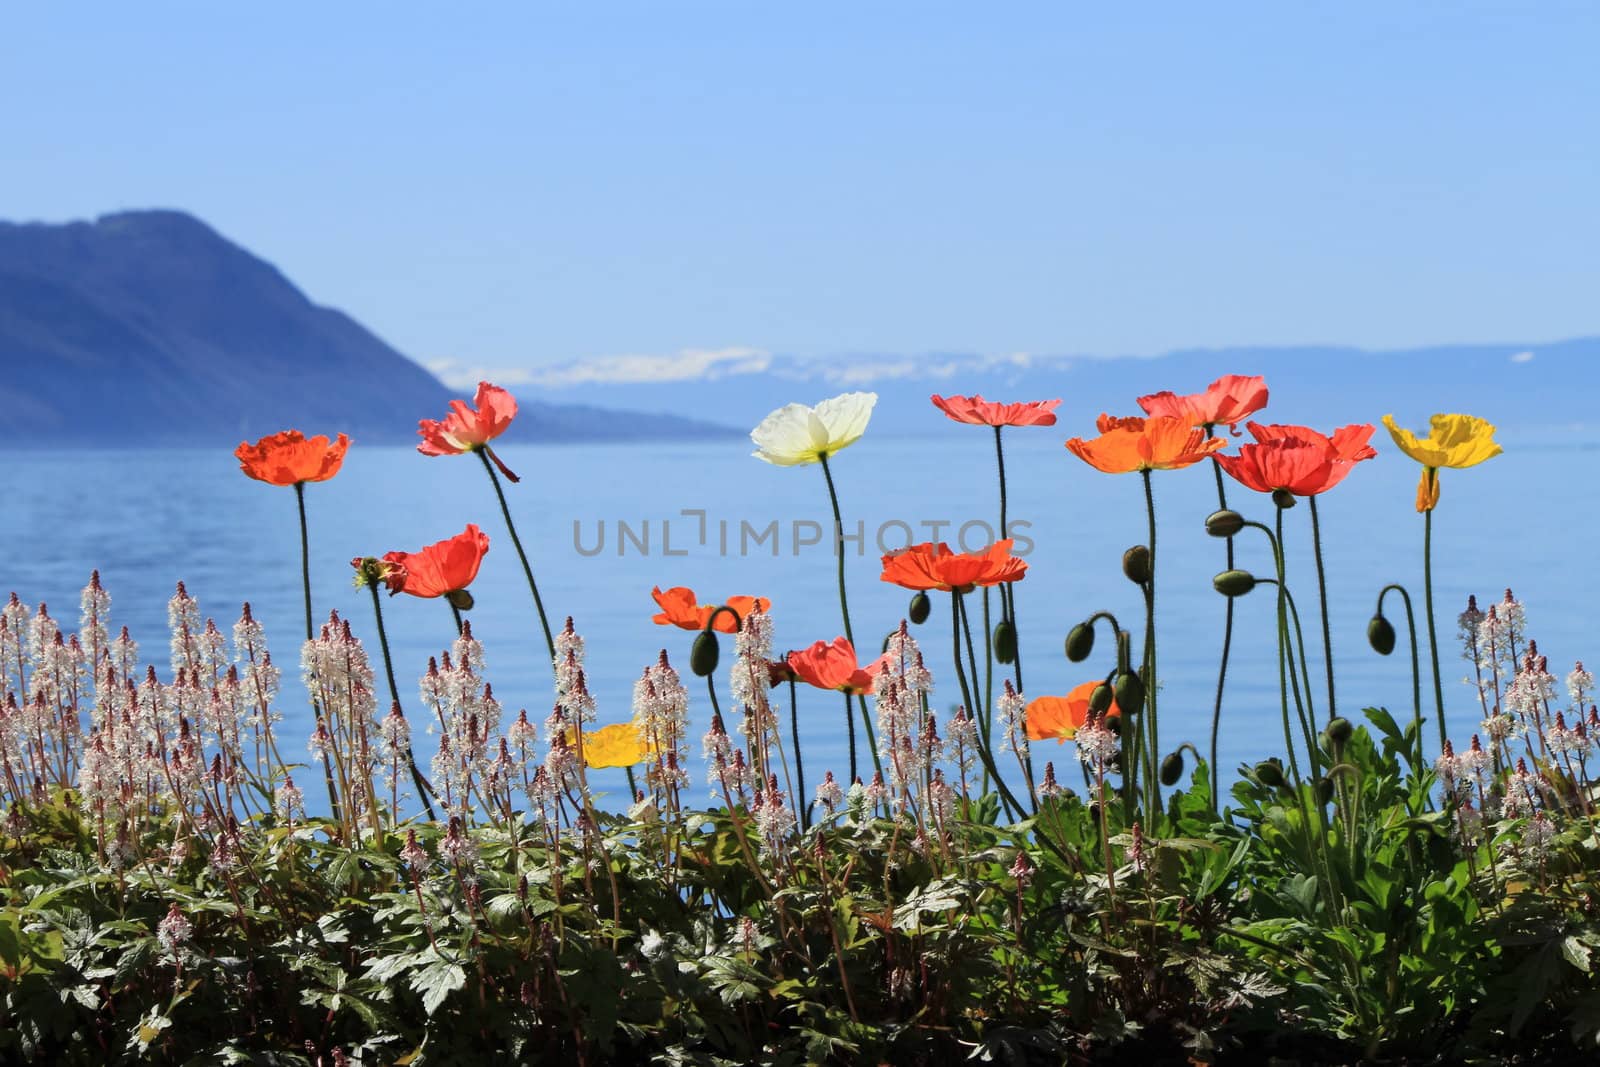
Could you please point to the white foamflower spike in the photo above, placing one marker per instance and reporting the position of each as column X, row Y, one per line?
column 796, row 434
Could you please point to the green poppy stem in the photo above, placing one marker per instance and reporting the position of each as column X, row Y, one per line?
column 1416, row 672
column 305, row 583
column 424, row 791
column 1322, row 593
column 516, row 542
column 1153, row 779
column 1433, row 637
column 844, row 609
column 958, row 618
column 1008, row 591
column 455, row 613
column 850, row 721
column 799, row 764
column 1227, row 639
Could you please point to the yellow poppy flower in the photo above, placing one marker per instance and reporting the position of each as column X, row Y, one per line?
column 617, row 745
column 1453, row 441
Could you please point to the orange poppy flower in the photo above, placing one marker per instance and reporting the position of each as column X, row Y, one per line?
column 1297, row 459
column 1062, row 717
column 980, row 412
column 440, row 569
column 935, row 566
column 833, row 666
column 1161, row 442
column 1230, row 399
column 680, row 608
column 470, row 428
column 290, row 457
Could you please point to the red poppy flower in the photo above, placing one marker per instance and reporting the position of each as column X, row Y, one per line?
column 1297, row 459
column 1161, row 442
column 470, row 429
column 833, row 666
column 680, row 608
column 935, row 566
column 442, row 568
column 980, row 412
column 1229, row 400
column 290, row 457
column 1062, row 717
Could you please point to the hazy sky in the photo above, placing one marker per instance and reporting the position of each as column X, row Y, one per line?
column 507, row 185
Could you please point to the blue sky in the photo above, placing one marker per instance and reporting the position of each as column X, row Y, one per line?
column 516, row 185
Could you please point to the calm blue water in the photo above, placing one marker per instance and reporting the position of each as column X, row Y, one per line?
column 149, row 518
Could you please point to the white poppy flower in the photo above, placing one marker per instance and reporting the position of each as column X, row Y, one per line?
column 796, row 434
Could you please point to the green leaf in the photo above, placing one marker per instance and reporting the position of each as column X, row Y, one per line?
column 436, row 982
column 1576, row 953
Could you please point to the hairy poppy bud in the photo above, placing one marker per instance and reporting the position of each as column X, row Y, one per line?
column 1224, row 523
column 1128, row 688
column 920, row 607
column 460, row 599
column 1172, row 769
column 1339, row 730
column 1283, row 498
column 1136, row 564
column 1005, row 641
column 1323, row 790
column 1380, row 635
column 1269, row 772
column 704, row 654
column 1234, row 583
column 1080, row 642
column 1100, row 698
column 1114, row 724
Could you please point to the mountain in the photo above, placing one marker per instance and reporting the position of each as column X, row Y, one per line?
column 149, row 328
column 1529, row 389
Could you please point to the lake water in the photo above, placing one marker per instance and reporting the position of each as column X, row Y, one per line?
column 147, row 519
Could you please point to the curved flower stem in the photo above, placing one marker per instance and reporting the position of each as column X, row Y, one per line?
column 850, row 721
column 305, row 582
column 1416, row 672
column 1302, row 703
column 455, row 613
column 1227, row 641
column 1153, row 811
column 516, row 542
column 844, row 609
column 986, row 720
column 1427, row 598
column 1000, row 460
column 1008, row 802
column 1322, row 592
column 424, row 792
column 799, row 765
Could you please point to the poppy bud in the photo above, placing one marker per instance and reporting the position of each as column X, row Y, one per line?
column 460, row 599
column 1100, row 698
column 1283, row 498
column 1234, row 583
column 1005, row 641
column 1322, row 788
column 1269, row 772
column 1136, row 564
column 1080, row 642
column 1339, row 730
column 920, row 607
column 1129, row 691
column 704, row 654
column 1224, row 523
column 1380, row 635
column 1172, row 769
column 1114, row 724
